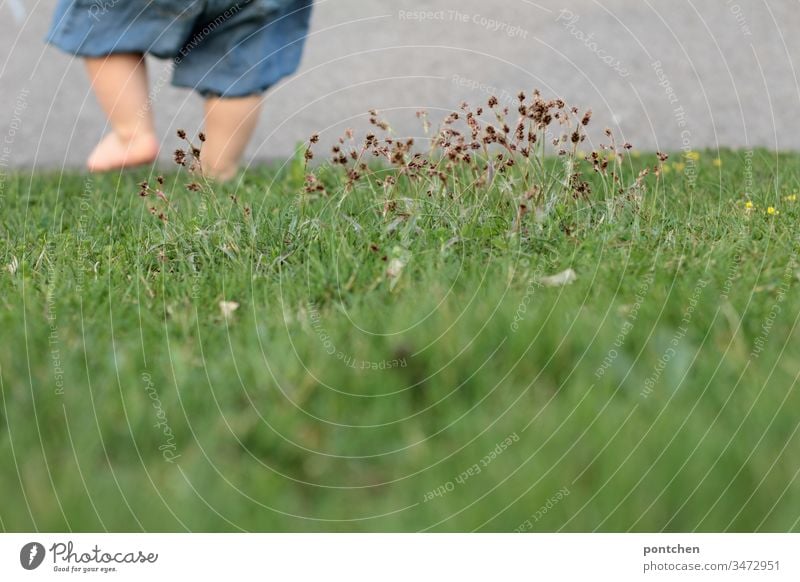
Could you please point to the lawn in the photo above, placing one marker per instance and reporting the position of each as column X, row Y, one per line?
column 352, row 360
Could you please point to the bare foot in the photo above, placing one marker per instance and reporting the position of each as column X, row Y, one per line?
column 219, row 172
column 113, row 152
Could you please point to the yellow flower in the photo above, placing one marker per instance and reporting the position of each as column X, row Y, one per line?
column 665, row 169
column 771, row 210
column 748, row 205
column 694, row 156
column 636, row 154
column 717, row 162
column 791, row 197
column 679, row 166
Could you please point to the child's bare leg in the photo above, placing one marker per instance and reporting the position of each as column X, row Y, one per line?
column 120, row 84
column 229, row 125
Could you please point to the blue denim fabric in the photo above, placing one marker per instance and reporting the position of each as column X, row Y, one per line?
column 219, row 47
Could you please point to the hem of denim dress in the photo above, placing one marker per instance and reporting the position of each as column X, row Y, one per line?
column 208, row 93
column 79, row 50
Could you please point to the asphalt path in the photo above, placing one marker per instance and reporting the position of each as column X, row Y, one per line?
column 664, row 75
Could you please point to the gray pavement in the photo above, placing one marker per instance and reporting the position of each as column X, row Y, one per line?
column 665, row 75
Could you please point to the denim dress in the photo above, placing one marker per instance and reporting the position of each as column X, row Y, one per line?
column 219, row 47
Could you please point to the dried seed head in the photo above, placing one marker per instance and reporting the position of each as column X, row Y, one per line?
column 181, row 134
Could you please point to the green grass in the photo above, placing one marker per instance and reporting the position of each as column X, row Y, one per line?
column 271, row 422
